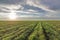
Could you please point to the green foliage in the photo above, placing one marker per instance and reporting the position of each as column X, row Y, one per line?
column 29, row 30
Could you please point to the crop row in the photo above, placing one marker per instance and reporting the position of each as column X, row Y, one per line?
column 51, row 32
column 15, row 31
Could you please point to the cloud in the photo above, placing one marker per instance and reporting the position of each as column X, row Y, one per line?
column 48, row 5
column 37, row 4
column 31, row 8
column 3, row 16
column 4, row 10
column 51, row 4
column 9, row 1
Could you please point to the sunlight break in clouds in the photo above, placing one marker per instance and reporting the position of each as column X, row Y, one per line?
column 12, row 15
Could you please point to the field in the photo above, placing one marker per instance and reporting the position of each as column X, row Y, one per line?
column 29, row 30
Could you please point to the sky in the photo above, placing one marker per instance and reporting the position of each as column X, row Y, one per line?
column 30, row 9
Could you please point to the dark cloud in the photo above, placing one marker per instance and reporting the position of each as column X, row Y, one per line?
column 3, row 11
column 27, row 7
column 52, row 4
column 11, row 1
column 4, row 8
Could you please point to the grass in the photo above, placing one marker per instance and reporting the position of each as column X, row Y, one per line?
column 29, row 30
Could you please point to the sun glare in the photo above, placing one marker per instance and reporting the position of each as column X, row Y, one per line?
column 12, row 16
